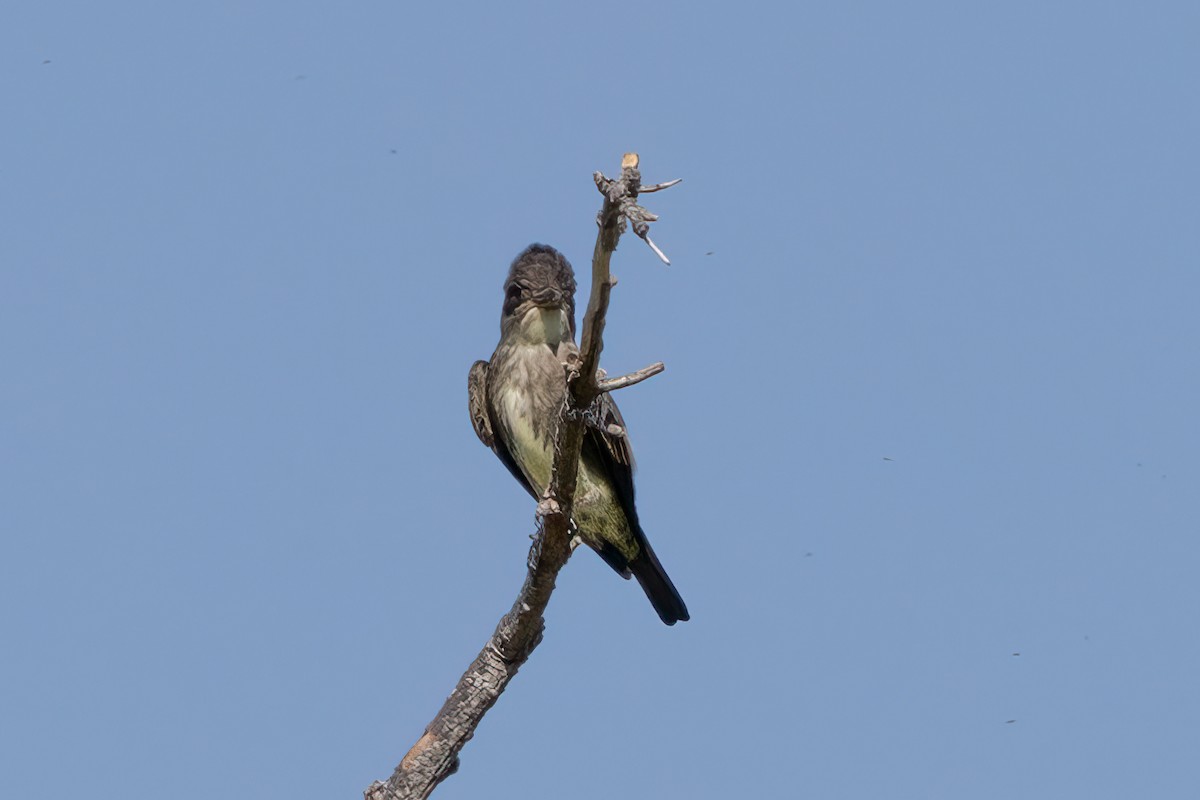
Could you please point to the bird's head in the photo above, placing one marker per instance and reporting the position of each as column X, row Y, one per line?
column 539, row 297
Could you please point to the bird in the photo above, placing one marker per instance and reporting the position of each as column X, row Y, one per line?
column 515, row 399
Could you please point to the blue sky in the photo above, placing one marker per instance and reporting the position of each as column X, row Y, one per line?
column 930, row 401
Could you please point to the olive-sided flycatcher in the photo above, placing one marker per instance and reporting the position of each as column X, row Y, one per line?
column 515, row 401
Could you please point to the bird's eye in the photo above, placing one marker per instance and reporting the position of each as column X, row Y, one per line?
column 512, row 298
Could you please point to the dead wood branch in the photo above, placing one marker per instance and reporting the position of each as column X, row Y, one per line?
column 435, row 755
column 612, row 384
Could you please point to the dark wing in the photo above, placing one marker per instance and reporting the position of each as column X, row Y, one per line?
column 614, row 453
column 616, row 456
column 481, row 421
column 477, row 403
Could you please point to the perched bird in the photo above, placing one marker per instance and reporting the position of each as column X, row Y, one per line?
column 515, row 400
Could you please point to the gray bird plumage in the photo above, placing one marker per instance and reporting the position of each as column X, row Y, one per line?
column 515, row 400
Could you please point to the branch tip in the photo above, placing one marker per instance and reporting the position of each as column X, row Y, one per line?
column 654, row 247
column 612, row 384
column 658, row 187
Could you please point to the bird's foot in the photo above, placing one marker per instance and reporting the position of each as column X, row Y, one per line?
column 547, row 506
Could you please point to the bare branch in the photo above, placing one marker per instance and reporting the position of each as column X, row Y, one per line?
column 622, row 195
column 612, row 384
column 654, row 247
column 658, row 187
column 435, row 755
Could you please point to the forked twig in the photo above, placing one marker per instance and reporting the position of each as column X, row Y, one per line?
column 623, row 193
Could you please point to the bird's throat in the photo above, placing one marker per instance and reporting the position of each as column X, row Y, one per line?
column 544, row 326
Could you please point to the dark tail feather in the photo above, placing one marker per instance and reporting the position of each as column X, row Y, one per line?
column 658, row 587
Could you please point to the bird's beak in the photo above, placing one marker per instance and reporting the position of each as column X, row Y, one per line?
column 547, row 298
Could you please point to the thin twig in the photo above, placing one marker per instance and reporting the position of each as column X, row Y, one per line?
column 658, row 187
column 654, row 247
column 612, row 384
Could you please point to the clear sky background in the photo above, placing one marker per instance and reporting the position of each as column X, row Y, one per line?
column 931, row 335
